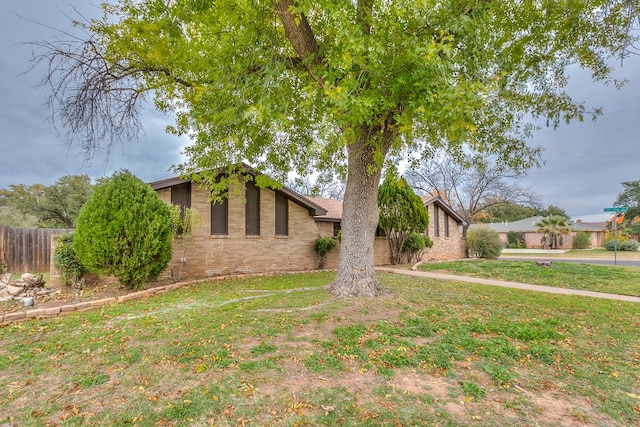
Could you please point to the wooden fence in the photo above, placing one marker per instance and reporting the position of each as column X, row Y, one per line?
column 26, row 250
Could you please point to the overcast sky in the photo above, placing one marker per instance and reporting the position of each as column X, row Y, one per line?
column 585, row 162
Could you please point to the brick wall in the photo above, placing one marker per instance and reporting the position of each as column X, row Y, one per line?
column 237, row 253
column 445, row 248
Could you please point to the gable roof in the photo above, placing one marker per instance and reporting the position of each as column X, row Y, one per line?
column 314, row 208
column 439, row 202
column 332, row 206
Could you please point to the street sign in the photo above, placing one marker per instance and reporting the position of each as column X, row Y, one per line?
column 621, row 209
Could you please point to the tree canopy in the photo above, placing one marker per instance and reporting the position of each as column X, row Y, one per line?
column 298, row 85
column 475, row 186
column 53, row 206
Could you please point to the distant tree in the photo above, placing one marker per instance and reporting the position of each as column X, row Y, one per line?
column 124, row 229
column 55, row 206
column 554, row 228
column 401, row 213
column 472, row 185
column 505, row 212
column 552, row 210
column 11, row 216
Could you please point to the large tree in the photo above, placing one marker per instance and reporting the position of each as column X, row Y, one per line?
column 296, row 85
column 471, row 184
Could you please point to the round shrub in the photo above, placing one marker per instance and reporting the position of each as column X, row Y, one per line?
column 67, row 262
column 415, row 245
column 483, row 243
column 581, row 240
column 124, row 229
column 322, row 246
column 626, row 245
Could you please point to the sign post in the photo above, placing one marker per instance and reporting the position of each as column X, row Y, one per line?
column 615, row 230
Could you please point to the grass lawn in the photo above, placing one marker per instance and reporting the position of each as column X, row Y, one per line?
column 577, row 253
column 281, row 351
column 598, row 278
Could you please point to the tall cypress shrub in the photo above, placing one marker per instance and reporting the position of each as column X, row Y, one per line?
column 124, row 229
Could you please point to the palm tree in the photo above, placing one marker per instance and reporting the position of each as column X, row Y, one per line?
column 553, row 227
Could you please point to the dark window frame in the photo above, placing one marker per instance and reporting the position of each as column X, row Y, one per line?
column 282, row 215
column 252, row 209
column 446, row 225
column 436, row 222
column 181, row 196
column 220, row 217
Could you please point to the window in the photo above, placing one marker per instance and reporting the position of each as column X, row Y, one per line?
column 252, row 209
column 181, row 196
column 337, row 226
column 282, row 215
column 436, row 222
column 220, row 217
column 446, row 225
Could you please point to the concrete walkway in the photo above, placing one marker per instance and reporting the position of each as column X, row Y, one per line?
column 515, row 285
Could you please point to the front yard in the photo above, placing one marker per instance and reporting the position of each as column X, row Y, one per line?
column 281, row 351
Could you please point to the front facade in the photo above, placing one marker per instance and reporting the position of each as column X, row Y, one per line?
column 254, row 230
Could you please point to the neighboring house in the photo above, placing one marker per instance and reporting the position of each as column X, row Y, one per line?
column 533, row 237
column 446, row 230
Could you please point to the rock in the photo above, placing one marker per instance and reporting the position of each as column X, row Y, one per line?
column 5, row 279
column 14, row 290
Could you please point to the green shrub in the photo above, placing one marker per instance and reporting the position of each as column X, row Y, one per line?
column 627, row 245
column 581, row 240
column 483, row 243
column 124, row 229
column 322, row 246
column 516, row 240
column 415, row 246
column 67, row 262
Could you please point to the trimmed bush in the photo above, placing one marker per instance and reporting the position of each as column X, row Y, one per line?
column 581, row 240
column 415, row 245
column 67, row 262
column 483, row 243
column 322, row 246
column 627, row 245
column 124, row 229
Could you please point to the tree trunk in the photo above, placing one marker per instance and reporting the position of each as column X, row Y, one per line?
column 356, row 275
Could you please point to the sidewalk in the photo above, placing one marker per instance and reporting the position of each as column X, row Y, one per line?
column 515, row 285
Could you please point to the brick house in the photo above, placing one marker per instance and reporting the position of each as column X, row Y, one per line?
column 446, row 230
column 254, row 230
